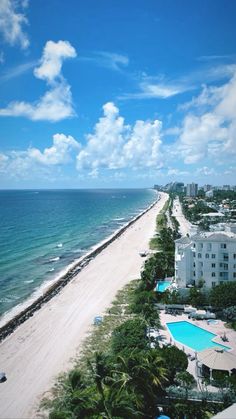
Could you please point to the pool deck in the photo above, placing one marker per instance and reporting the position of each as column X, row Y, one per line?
column 218, row 329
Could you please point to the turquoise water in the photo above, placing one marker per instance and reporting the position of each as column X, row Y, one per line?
column 42, row 232
column 162, row 286
column 193, row 336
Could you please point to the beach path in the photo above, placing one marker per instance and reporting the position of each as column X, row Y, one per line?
column 45, row 344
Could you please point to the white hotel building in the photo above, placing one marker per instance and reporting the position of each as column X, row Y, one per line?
column 208, row 256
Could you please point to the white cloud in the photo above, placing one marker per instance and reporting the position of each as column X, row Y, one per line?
column 56, row 104
column 59, row 153
column 17, row 71
column 206, row 171
column 22, row 164
column 151, row 89
column 210, row 133
column 54, row 54
column 12, row 22
column 115, row 145
column 110, row 60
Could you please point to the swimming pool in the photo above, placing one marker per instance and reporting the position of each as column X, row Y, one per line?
column 162, row 286
column 193, row 336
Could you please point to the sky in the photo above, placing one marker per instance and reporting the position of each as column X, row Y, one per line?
column 117, row 93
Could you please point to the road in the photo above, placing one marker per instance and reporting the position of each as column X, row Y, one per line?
column 184, row 225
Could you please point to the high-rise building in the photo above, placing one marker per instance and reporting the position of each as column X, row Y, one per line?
column 192, row 189
column 207, row 188
column 210, row 256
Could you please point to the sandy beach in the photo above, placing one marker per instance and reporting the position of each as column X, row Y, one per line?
column 46, row 343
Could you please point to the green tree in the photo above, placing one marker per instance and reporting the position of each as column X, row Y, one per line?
column 174, row 361
column 186, row 380
column 142, row 375
column 129, row 336
column 223, row 295
column 143, row 303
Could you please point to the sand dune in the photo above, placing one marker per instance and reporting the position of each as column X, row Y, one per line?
column 44, row 345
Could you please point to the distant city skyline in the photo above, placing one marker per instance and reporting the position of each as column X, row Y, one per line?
column 117, row 94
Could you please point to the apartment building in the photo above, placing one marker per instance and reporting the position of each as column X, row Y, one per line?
column 210, row 256
column 192, row 189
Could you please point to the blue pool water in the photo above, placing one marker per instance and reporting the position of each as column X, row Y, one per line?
column 162, row 286
column 193, row 336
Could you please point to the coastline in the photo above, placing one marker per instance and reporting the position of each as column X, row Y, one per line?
column 20, row 313
column 47, row 343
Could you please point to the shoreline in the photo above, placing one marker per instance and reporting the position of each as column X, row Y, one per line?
column 48, row 343
column 10, row 321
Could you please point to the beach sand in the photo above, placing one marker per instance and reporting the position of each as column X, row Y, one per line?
column 46, row 343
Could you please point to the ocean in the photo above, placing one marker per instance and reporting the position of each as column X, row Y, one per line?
column 43, row 231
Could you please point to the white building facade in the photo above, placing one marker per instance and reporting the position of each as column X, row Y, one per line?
column 208, row 256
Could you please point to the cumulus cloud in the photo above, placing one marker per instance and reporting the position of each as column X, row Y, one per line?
column 56, row 104
column 58, row 153
column 12, row 22
column 115, row 145
column 54, row 54
column 24, row 163
column 210, row 132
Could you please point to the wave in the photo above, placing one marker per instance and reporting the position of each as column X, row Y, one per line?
column 54, row 259
column 59, row 245
column 9, row 299
column 87, row 254
column 28, row 281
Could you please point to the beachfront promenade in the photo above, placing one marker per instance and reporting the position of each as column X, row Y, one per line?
column 45, row 344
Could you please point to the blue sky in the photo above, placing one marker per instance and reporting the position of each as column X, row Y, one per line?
column 117, row 93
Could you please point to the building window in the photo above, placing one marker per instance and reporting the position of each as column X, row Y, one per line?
column 225, row 256
column 213, row 284
column 199, row 255
column 213, row 256
column 208, row 246
column 194, row 254
column 194, row 273
column 194, row 245
column 223, row 245
column 234, row 265
column 213, row 274
column 234, row 274
column 213, row 265
column 194, row 264
column 234, row 255
column 207, row 255
column 224, row 275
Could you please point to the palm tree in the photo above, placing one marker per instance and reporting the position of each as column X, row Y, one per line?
column 186, row 380
column 142, row 376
